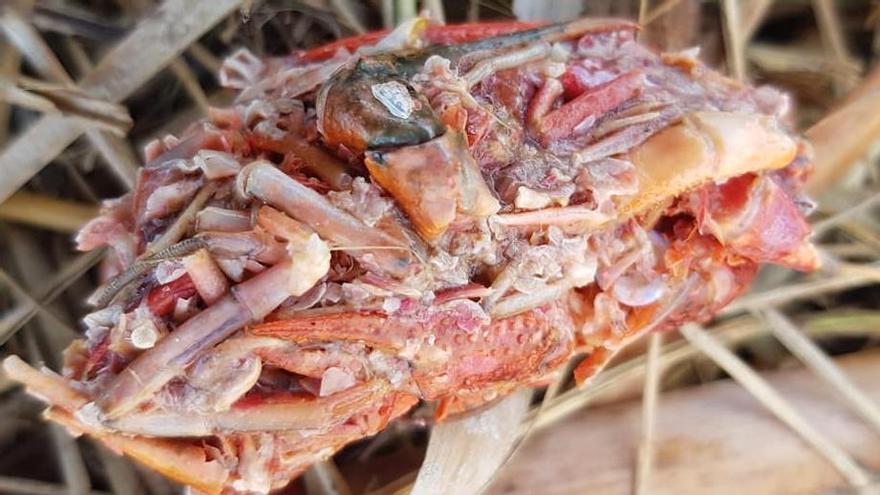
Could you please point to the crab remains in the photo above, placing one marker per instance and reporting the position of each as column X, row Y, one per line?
column 438, row 214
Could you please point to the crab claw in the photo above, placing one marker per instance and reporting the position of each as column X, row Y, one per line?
column 433, row 181
column 553, row 125
column 449, row 349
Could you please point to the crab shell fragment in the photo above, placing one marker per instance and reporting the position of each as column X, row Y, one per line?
column 437, row 215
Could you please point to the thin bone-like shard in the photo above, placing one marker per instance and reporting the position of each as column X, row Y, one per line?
column 248, row 301
column 277, row 414
column 264, row 181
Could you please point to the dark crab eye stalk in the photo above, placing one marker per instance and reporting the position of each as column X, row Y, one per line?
column 371, row 107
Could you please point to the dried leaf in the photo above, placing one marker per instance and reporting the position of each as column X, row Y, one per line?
column 464, row 454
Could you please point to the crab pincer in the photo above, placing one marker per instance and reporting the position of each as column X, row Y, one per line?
column 443, row 351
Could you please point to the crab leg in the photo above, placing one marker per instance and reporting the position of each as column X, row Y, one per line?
column 270, row 414
column 583, row 110
column 326, row 166
column 434, row 34
column 548, row 33
column 449, row 347
column 247, row 302
column 487, row 67
column 217, row 219
column 265, row 182
column 45, row 385
column 312, row 363
column 281, row 225
column 207, row 278
column 252, row 244
column 704, row 147
column 180, row 460
column 177, row 459
column 368, row 327
column 570, row 218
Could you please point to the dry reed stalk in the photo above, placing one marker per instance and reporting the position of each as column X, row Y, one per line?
column 28, row 302
column 812, row 355
column 713, row 438
column 153, row 44
column 831, row 31
column 772, row 400
column 31, row 487
column 802, row 290
column 465, row 454
column 734, row 40
column 848, row 250
column 324, row 478
column 473, row 12
column 647, row 15
column 190, row 84
column 45, row 97
column 650, row 394
column 348, row 15
column 404, row 10
column 119, row 472
column 731, row 333
column 435, row 8
column 46, row 212
column 205, row 57
column 822, row 226
column 837, row 144
column 862, row 233
column 9, row 60
column 22, row 314
column 753, row 13
column 115, row 150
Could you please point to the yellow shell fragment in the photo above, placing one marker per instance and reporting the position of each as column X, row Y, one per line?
column 704, row 147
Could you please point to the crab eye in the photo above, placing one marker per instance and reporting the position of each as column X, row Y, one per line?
column 366, row 109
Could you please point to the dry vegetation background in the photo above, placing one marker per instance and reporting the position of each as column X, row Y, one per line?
column 85, row 84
